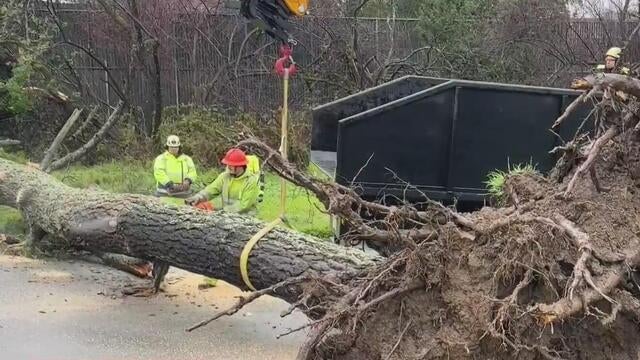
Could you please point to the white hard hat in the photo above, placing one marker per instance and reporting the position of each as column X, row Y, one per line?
column 173, row 141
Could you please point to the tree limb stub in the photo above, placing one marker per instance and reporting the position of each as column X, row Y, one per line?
column 144, row 227
column 622, row 83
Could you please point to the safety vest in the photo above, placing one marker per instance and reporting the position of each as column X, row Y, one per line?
column 238, row 194
column 253, row 166
column 617, row 70
column 169, row 169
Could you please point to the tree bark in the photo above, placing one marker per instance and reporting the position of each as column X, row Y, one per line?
column 187, row 238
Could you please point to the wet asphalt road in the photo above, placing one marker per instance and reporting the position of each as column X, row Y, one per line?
column 56, row 310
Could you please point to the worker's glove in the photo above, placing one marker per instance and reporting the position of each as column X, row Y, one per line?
column 195, row 199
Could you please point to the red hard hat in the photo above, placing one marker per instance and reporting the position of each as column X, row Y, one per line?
column 235, row 157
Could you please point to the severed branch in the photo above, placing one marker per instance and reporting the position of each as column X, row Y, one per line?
column 55, row 145
column 244, row 300
column 92, row 143
column 53, row 95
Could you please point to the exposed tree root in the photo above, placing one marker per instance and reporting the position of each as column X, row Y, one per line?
column 567, row 307
column 591, row 158
column 596, row 182
column 580, row 271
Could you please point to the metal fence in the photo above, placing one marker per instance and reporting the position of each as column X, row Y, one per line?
column 221, row 60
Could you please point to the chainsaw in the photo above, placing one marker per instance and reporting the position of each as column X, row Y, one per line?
column 273, row 15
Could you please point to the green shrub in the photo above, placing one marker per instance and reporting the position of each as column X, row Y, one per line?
column 124, row 145
column 208, row 134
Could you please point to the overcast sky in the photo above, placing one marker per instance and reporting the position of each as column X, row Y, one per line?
column 583, row 8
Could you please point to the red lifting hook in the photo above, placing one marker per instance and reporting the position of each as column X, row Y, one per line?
column 285, row 56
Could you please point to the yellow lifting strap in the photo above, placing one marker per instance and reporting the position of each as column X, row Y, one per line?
column 246, row 251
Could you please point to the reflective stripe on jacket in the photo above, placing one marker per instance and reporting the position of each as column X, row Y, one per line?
column 169, row 169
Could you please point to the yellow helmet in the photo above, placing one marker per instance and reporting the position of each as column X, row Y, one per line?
column 173, row 141
column 297, row 7
column 614, row 52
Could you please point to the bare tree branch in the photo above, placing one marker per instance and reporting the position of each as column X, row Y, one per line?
column 62, row 134
column 95, row 140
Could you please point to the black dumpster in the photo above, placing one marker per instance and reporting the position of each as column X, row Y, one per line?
column 439, row 138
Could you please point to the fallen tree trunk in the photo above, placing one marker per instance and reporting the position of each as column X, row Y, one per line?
column 144, row 227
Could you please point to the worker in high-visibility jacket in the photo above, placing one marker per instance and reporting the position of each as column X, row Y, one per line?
column 612, row 63
column 238, row 186
column 174, row 172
